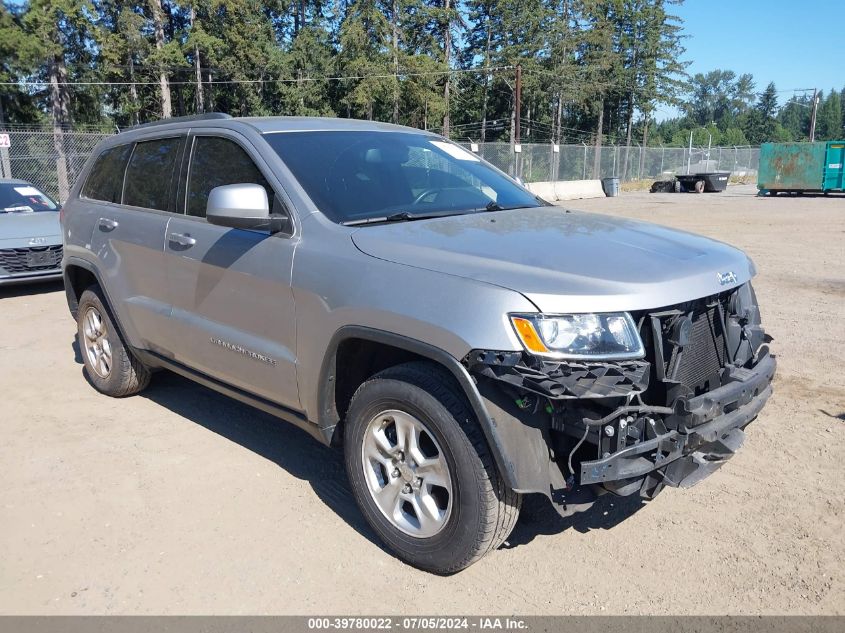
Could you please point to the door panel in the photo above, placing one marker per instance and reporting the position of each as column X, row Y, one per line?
column 233, row 311
column 128, row 237
column 129, row 244
column 232, row 304
column 834, row 166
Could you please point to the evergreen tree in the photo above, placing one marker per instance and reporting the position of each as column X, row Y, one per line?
column 364, row 43
column 794, row 116
column 602, row 66
column 829, row 118
column 651, row 49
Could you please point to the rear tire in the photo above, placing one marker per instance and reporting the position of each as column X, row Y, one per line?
column 469, row 509
column 109, row 365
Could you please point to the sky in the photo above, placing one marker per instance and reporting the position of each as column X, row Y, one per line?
column 795, row 43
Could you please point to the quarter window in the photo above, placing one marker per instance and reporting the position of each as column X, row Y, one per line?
column 106, row 179
column 151, row 172
column 216, row 162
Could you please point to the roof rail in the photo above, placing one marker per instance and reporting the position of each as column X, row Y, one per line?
column 209, row 116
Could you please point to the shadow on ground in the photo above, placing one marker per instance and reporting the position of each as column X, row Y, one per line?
column 840, row 416
column 283, row 444
column 539, row 518
column 29, row 289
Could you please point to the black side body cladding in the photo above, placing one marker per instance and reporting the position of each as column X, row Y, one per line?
column 297, row 418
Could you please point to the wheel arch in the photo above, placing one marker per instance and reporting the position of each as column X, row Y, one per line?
column 78, row 275
column 381, row 349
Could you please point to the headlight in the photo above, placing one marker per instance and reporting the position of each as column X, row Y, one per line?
column 584, row 336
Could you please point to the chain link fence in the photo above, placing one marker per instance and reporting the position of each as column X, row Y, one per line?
column 546, row 162
column 53, row 160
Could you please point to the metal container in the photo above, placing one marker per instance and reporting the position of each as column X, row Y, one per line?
column 610, row 186
column 800, row 167
column 712, row 182
column 834, row 167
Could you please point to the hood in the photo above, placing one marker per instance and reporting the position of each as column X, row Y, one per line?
column 17, row 229
column 565, row 261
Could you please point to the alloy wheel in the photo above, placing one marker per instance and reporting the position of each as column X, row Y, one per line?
column 407, row 474
column 97, row 346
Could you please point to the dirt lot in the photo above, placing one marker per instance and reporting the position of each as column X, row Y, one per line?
column 181, row 501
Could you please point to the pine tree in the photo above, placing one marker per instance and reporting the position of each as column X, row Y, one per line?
column 829, row 118
column 601, row 65
column 794, row 116
column 364, row 41
column 564, row 37
column 651, row 47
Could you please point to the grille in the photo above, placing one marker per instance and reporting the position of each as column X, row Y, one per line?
column 704, row 355
column 22, row 260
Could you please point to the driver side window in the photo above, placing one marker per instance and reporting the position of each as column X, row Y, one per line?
column 216, row 162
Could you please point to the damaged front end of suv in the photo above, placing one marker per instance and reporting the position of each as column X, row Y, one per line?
column 628, row 402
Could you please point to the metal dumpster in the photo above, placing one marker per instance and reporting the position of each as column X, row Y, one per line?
column 800, row 167
column 712, row 182
column 834, row 167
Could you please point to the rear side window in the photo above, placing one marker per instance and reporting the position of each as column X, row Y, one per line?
column 217, row 162
column 151, row 172
column 106, row 179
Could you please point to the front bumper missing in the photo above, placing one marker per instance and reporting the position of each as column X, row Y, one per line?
column 538, row 417
column 562, row 380
column 707, row 431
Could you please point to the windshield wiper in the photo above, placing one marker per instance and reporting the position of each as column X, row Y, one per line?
column 407, row 216
column 400, row 216
column 495, row 206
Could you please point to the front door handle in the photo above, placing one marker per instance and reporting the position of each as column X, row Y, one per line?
column 107, row 224
column 182, row 239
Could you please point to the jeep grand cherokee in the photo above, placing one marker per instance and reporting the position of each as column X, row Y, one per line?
column 392, row 293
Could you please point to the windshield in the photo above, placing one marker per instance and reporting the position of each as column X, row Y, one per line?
column 23, row 198
column 360, row 175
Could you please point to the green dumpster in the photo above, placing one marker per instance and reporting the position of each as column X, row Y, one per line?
column 799, row 167
column 834, row 172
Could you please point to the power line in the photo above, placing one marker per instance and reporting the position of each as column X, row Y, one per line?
column 254, row 81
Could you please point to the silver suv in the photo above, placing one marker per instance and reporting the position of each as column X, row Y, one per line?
column 389, row 292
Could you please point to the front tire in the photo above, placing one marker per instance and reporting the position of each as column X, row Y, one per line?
column 421, row 471
column 110, row 366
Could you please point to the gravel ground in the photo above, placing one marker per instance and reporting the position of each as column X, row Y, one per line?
column 182, row 501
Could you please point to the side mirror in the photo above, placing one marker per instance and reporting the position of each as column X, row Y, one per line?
column 240, row 206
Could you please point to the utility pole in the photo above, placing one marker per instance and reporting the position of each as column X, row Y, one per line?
column 813, row 116
column 447, row 55
column 518, row 104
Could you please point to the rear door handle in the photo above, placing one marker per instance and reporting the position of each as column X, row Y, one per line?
column 182, row 239
column 107, row 224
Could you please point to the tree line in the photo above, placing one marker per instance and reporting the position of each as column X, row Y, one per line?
column 725, row 109
column 590, row 70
